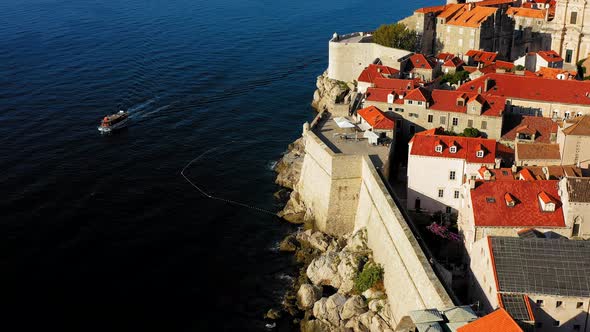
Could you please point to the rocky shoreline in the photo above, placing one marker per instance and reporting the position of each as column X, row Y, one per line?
column 326, row 295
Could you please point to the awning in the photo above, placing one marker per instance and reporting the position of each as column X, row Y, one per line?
column 343, row 122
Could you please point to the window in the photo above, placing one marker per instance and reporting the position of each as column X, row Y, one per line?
column 479, row 154
column 558, row 304
column 540, row 303
column 579, row 305
column 484, row 125
column 399, row 109
column 455, row 121
column 456, row 194
column 453, row 149
column 568, row 56
column 413, row 115
column 493, row 200
column 469, row 123
column 419, row 103
column 391, row 108
column 473, row 177
column 430, row 118
column 448, row 209
column 441, row 193
column 555, row 323
column 573, row 17
column 409, row 102
column 443, row 120
column 452, row 173
column 567, row 115
column 438, row 148
column 555, row 114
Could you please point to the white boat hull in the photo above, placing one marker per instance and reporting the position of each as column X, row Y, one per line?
column 116, row 126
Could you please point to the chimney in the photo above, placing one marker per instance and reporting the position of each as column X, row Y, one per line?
column 470, row 6
column 514, row 168
column 546, row 172
column 471, row 184
column 378, row 69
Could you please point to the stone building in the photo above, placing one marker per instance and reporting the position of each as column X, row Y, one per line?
column 506, row 207
column 542, row 281
column 575, row 196
column 447, row 160
column 533, row 61
column 421, row 109
column 525, row 95
column 570, row 30
column 574, row 142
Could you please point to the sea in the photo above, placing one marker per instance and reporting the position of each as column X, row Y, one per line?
column 102, row 232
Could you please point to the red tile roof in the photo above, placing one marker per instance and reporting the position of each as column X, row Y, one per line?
column 533, row 88
column 472, row 18
column 527, row 175
column 420, row 61
column 526, row 12
column 490, row 209
column 553, row 73
column 482, row 56
column 494, row 2
column 581, row 126
column 373, row 71
column 432, row 9
column 395, row 83
column 498, row 320
column 446, row 100
column 537, row 151
column 445, row 56
column 375, row 118
column 550, row 56
column 467, row 147
column 453, row 62
column 380, row 95
column 541, row 127
column 545, row 197
column 419, row 94
column 451, row 10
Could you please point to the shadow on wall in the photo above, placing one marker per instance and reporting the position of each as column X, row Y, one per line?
column 424, row 203
column 477, row 295
column 545, row 322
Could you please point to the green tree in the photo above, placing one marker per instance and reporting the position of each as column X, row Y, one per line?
column 454, row 78
column 471, row 132
column 396, row 35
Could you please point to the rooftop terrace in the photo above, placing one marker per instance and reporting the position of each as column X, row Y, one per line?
column 349, row 140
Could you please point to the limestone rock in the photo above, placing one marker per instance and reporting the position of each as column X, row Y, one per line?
column 323, row 270
column 334, row 305
column 319, row 308
column 289, row 244
column 273, row 314
column 320, row 241
column 355, row 324
column 348, row 269
column 379, row 325
column 371, row 294
column 377, row 305
column 294, row 211
column 289, row 166
column 354, row 306
column 307, row 296
column 366, row 318
column 315, row 325
column 358, row 241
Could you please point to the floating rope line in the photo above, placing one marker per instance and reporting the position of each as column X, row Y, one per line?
column 229, row 201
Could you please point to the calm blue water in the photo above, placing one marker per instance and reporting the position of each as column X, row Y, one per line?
column 102, row 233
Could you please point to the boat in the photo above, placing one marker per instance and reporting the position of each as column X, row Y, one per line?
column 113, row 122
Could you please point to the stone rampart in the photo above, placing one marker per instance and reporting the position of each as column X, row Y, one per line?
column 348, row 57
column 345, row 192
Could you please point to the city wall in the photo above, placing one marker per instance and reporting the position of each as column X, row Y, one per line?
column 350, row 54
column 345, row 192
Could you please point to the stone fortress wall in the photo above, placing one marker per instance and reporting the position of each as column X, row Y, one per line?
column 350, row 54
column 344, row 193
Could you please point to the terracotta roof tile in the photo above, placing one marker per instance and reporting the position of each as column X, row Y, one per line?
column 498, row 320
column 482, row 56
column 533, row 88
column 376, row 118
column 581, row 127
column 526, row 12
column 373, row 71
column 578, row 190
column 420, row 61
column 451, row 10
column 550, row 56
column 537, row 151
column 432, row 9
column 542, row 127
column 490, row 208
column 467, row 147
column 472, row 18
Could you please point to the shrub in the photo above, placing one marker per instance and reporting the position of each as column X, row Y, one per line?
column 369, row 277
column 519, row 67
column 454, row 78
column 396, row 35
column 471, row 132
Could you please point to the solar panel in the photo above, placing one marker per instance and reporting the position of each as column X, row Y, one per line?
column 516, row 306
column 542, row 266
